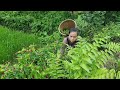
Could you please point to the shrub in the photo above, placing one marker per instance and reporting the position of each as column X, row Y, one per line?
column 12, row 41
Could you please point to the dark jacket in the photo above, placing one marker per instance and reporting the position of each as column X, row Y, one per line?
column 68, row 42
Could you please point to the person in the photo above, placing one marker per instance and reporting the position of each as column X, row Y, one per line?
column 70, row 40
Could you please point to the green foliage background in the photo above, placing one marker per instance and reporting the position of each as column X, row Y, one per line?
column 96, row 56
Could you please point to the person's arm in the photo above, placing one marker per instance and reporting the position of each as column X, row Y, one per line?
column 62, row 50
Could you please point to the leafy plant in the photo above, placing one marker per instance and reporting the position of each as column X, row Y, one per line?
column 12, row 41
column 33, row 21
column 96, row 55
column 86, row 61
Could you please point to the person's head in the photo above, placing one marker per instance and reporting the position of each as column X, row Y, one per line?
column 73, row 33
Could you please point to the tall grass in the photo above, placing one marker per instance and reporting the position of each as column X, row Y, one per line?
column 12, row 41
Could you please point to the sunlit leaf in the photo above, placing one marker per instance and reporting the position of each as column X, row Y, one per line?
column 85, row 67
column 88, row 60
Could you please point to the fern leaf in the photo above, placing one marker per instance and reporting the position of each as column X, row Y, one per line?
column 85, row 67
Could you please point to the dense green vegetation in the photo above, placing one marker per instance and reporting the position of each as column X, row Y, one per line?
column 32, row 39
column 12, row 41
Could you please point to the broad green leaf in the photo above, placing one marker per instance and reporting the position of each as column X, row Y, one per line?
column 88, row 60
column 103, row 76
column 97, row 65
column 100, row 42
column 76, row 75
column 76, row 68
column 90, row 45
column 84, row 51
column 111, row 75
column 104, row 57
column 107, row 75
column 87, row 47
column 75, row 57
column 100, row 63
column 104, row 61
column 91, row 55
column 85, row 67
column 94, row 52
column 107, row 55
column 110, row 53
column 112, row 71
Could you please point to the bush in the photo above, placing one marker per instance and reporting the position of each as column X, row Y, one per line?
column 83, row 62
column 91, row 22
column 96, row 56
column 32, row 63
column 34, row 21
column 12, row 41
